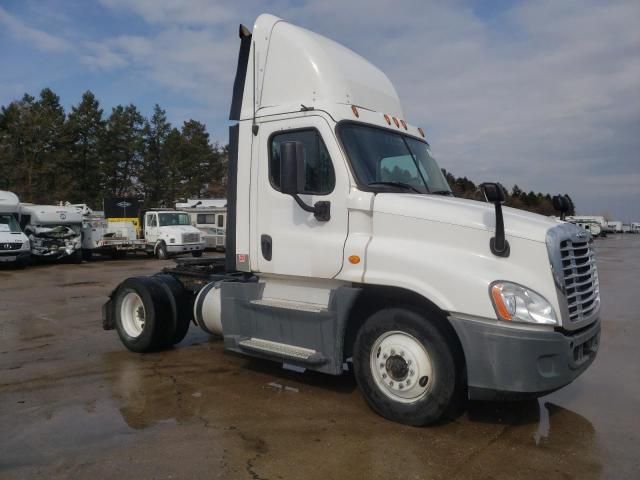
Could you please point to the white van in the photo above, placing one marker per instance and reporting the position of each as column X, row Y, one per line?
column 14, row 245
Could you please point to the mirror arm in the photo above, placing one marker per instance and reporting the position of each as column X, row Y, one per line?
column 321, row 210
column 499, row 245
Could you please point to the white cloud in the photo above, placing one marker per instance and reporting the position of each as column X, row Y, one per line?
column 185, row 12
column 544, row 94
column 38, row 38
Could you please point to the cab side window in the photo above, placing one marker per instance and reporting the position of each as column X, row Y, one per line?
column 319, row 175
column 151, row 221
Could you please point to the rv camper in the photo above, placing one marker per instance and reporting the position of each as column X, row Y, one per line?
column 210, row 217
column 54, row 231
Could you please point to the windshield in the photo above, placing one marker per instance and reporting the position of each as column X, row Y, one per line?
column 381, row 158
column 167, row 219
column 8, row 223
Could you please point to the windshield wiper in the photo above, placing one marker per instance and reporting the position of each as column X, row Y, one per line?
column 447, row 193
column 403, row 185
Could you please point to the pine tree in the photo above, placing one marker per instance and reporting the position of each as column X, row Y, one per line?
column 86, row 128
column 155, row 166
column 121, row 152
column 197, row 159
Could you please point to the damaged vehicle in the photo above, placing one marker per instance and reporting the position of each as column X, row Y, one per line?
column 53, row 231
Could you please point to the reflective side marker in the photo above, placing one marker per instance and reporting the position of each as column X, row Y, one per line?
column 354, row 259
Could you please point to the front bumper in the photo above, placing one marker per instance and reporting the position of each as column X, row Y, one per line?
column 504, row 362
column 20, row 257
column 188, row 247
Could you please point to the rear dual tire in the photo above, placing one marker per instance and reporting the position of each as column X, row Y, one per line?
column 151, row 313
column 406, row 367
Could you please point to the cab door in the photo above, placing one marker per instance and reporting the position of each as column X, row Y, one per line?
column 288, row 240
column 151, row 232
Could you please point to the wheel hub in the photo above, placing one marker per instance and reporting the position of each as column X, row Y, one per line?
column 132, row 314
column 401, row 366
column 397, row 368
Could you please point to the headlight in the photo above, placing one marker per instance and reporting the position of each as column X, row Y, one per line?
column 516, row 303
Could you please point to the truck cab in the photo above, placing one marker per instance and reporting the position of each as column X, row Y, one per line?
column 169, row 232
column 347, row 250
column 14, row 244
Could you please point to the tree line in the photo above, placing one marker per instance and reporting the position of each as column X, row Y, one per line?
column 536, row 202
column 48, row 155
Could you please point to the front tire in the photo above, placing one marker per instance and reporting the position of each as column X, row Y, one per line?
column 161, row 251
column 405, row 366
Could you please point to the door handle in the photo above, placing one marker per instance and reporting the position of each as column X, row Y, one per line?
column 266, row 246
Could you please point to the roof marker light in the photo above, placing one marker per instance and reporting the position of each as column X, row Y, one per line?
column 395, row 120
column 421, row 132
column 404, row 124
column 355, row 111
column 386, row 117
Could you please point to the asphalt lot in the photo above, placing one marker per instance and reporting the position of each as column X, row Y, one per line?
column 75, row 404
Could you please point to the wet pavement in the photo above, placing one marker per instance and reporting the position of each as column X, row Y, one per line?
column 75, row 404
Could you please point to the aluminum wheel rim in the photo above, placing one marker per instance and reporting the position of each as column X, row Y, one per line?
column 132, row 314
column 401, row 367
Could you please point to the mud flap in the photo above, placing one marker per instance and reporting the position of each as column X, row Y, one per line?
column 108, row 320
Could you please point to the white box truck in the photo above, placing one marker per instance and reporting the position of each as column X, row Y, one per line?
column 346, row 249
column 14, row 244
column 53, row 230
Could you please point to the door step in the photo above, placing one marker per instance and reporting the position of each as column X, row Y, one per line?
column 290, row 305
column 282, row 350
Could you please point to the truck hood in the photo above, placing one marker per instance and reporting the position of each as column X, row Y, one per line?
column 465, row 213
column 179, row 229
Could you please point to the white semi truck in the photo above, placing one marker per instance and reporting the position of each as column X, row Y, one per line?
column 53, row 230
column 14, row 244
column 346, row 249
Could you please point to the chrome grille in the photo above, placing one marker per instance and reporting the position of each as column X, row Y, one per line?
column 11, row 246
column 190, row 237
column 580, row 276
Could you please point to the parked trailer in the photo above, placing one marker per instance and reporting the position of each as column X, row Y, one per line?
column 210, row 217
column 590, row 226
column 345, row 247
column 54, row 231
column 614, row 226
column 14, row 244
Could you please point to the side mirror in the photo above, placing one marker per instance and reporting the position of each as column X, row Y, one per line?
column 291, row 167
column 561, row 203
column 494, row 192
column 292, row 179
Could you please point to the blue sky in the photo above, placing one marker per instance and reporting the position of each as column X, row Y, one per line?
column 545, row 94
